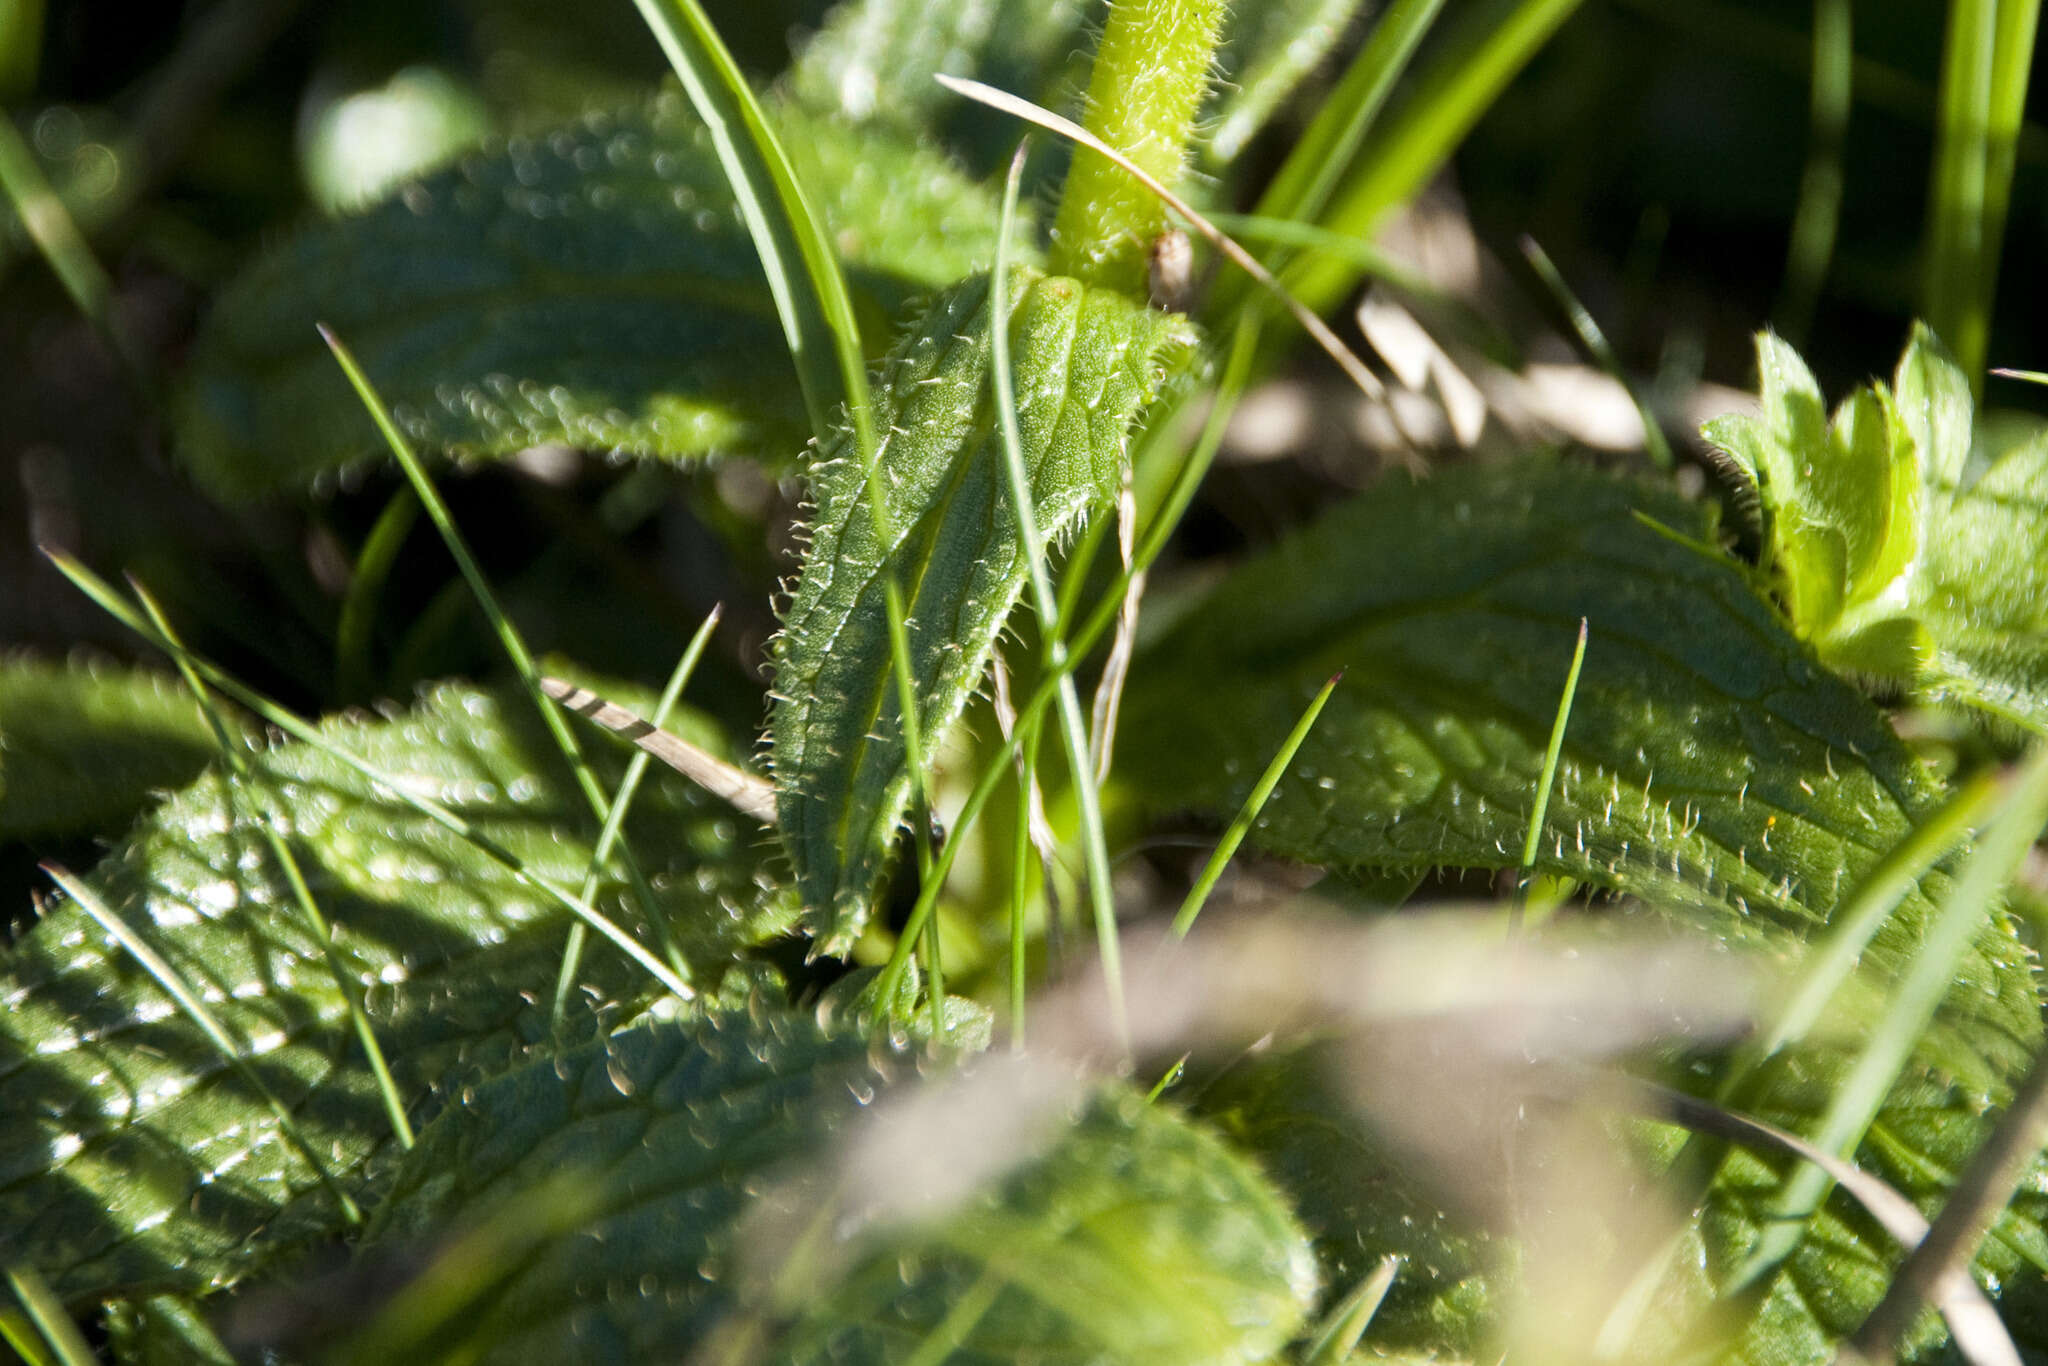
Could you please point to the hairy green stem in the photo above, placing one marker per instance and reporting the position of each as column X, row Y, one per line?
column 1150, row 74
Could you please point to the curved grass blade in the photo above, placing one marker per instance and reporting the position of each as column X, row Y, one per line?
column 514, row 645
column 97, row 589
column 1332, row 345
column 1587, row 329
column 1473, row 64
column 1911, row 1009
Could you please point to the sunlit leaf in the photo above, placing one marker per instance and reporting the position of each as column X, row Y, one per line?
column 82, row 747
column 1086, row 363
column 138, row 1157
column 1711, row 767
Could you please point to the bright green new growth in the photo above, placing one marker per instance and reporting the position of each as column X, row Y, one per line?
column 1151, row 70
column 1087, row 362
column 1894, row 555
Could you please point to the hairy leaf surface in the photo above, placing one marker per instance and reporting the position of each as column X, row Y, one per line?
column 593, row 286
column 83, row 746
column 137, row 1157
column 1710, row 766
column 1087, row 361
column 1136, row 1237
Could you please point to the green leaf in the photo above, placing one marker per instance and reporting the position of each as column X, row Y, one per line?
column 1361, row 1198
column 592, row 286
column 1711, row 767
column 1894, row 565
column 1086, row 363
column 83, row 746
column 1918, row 1144
column 1137, row 1237
column 139, row 1157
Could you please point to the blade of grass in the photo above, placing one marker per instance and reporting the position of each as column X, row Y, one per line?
column 1857, row 919
column 1492, row 42
column 175, row 986
column 1910, row 1007
column 1029, row 834
column 1587, row 330
column 1829, row 963
column 797, row 257
column 1157, row 532
column 1986, row 58
column 515, row 650
column 1973, row 1323
column 1986, row 1187
column 50, row 226
column 1347, row 1322
column 1241, row 826
column 1073, row 729
column 46, row 1312
column 1819, row 214
column 100, row 592
column 965, row 1312
column 365, row 582
column 636, row 769
column 1316, row 164
column 1548, row 780
column 316, row 923
column 817, row 312
column 1332, row 346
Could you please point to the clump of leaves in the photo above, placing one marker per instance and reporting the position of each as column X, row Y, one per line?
column 336, row 992
column 1902, row 552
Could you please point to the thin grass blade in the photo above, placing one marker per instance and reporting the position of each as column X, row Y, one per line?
column 1241, row 826
column 1346, row 1324
column 514, row 645
column 1911, row 1007
column 66, row 1344
column 100, row 592
column 188, row 1000
column 317, row 923
column 1587, row 329
column 1073, row 730
column 1492, row 42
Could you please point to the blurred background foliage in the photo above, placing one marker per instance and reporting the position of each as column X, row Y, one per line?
column 1659, row 150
